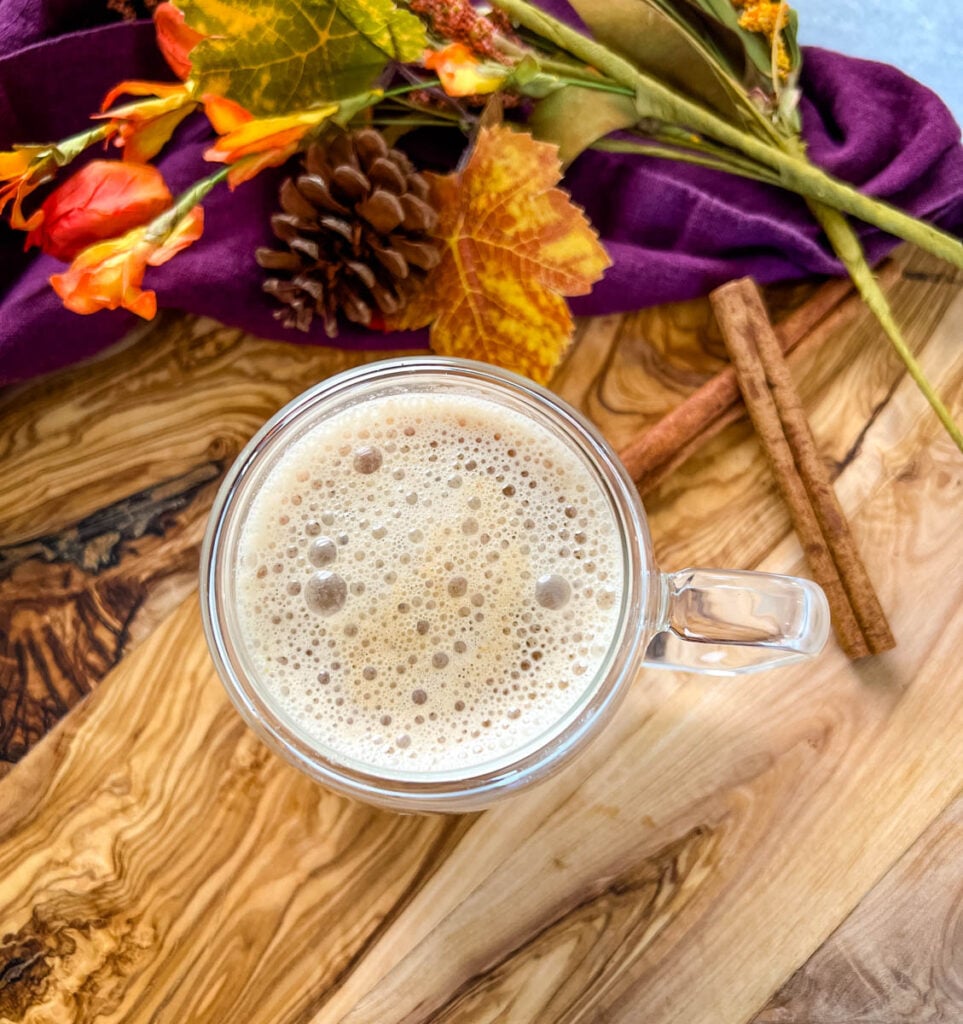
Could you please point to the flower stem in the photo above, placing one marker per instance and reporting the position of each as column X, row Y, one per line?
column 599, row 84
column 400, row 90
column 563, row 68
column 703, row 155
column 443, row 115
column 410, row 122
column 161, row 226
column 76, row 144
column 844, row 241
column 190, row 197
column 796, row 173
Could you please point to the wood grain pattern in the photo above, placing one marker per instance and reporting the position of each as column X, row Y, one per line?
column 898, row 958
column 158, row 864
column 803, row 780
column 73, row 602
column 159, row 820
column 110, row 470
column 186, row 392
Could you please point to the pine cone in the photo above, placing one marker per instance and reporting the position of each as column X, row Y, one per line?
column 355, row 227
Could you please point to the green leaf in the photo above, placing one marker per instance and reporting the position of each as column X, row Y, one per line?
column 692, row 54
column 574, row 118
column 276, row 57
column 698, row 48
column 755, row 46
column 790, row 34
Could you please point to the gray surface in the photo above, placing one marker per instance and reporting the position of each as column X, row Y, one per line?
column 924, row 39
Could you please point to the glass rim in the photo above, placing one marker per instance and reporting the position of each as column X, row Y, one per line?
column 323, row 762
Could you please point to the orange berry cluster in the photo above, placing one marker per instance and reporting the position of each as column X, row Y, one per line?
column 766, row 18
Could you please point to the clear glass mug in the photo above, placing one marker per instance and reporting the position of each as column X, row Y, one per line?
column 697, row 620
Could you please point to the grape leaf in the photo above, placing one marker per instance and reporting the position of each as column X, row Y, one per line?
column 513, row 246
column 276, row 57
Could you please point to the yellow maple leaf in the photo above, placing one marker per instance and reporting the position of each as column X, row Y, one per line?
column 513, row 246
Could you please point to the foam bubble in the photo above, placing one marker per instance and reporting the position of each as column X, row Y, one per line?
column 553, row 591
column 325, row 593
column 322, row 552
column 367, row 459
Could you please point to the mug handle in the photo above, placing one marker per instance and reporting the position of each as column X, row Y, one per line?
column 727, row 623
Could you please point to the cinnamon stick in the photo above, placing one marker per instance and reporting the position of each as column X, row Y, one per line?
column 652, row 456
column 777, row 414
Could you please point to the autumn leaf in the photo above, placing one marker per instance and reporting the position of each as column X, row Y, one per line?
column 514, row 245
column 273, row 58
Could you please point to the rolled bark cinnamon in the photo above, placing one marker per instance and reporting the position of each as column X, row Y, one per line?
column 778, row 417
column 663, row 447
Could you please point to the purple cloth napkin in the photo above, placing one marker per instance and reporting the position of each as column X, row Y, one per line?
column 673, row 231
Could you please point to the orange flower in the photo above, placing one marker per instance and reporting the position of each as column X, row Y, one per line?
column 109, row 274
column 175, row 38
column 225, row 115
column 28, row 167
column 143, row 127
column 461, row 73
column 103, row 199
column 21, row 171
column 272, row 139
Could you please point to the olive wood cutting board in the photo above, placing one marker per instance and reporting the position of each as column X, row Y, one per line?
column 781, row 849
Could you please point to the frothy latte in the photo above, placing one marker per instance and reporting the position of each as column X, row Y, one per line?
column 427, row 582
